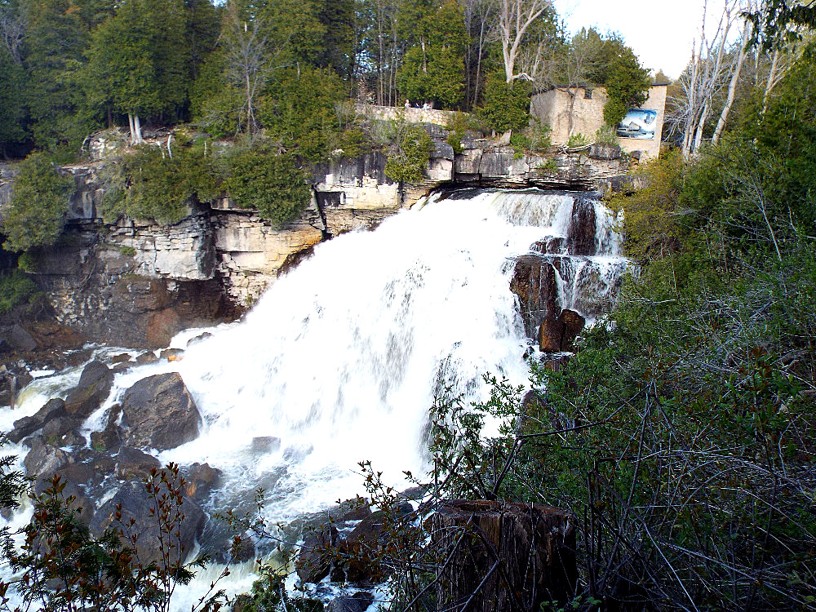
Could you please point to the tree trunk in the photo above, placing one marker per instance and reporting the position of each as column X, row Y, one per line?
column 135, row 129
column 503, row 556
column 732, row 87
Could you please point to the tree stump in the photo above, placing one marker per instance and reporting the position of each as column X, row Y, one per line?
column 499, row 556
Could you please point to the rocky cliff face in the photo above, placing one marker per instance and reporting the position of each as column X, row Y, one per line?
column 137, row 283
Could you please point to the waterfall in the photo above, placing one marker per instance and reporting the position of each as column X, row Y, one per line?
column 335, row 364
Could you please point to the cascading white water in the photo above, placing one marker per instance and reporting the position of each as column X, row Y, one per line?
column 337, row 361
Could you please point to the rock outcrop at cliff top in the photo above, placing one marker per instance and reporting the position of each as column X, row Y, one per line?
column 159, row 412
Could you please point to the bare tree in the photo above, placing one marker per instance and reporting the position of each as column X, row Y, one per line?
column 12, row 29
column 515, row 18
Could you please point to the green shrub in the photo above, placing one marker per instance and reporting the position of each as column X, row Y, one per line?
column 506, row 106
column 272, row 184
column 606, row 135
column 39, row 201
column 409, row 153
column 577, row 140
column 150, row 184
column 15, row 289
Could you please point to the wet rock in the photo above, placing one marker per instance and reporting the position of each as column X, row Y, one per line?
column 201, row 479
column 581, row 231
column 534, row 282
column 172, row 354
column 19, row 338
column 555, row 336
column 136, row 504
column 265, row 444
column 26, row 426
column 13, row 379
column 145, row 358
column 44, row 459
column 554, row 245
column 573, row 326
column 159, row 412
column 94, row 386
column 133, row 464
column 62, row 431
column 110, row 438
column 359, row 602
column 315, row 558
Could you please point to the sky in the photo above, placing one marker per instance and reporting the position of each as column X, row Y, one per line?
column 660, row 32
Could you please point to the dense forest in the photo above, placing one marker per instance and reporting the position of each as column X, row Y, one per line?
column 71, row 67
column 680, row 434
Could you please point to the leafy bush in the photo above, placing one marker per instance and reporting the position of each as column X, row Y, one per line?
column 606, row 135
column 409, row 153
column 63, row 567
column 39, row 202
column 299, row 110
column 577, row 140
column 506, row 106
column 152, row 184
column 627, row 85
column 272, row 184
column 15, row 289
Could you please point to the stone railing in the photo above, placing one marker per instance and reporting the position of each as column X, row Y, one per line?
column 411, row 115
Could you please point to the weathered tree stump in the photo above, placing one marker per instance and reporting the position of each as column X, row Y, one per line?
column 503, row 556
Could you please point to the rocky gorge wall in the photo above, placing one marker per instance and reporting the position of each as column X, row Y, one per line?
column 137, row 283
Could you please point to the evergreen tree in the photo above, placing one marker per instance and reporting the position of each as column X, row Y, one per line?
column 139, row 61
column 12, row 110
column 55, row 42
column 433, row 69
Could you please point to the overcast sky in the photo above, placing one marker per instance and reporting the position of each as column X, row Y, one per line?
column 661, row 32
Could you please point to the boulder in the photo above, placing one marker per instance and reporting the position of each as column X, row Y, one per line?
column 159, row 412
column 581, row 230
column 573, row 326
column 534, row 282
column 133, row 502
column 359, row 602
column 44, row 459
column 200, row 480
column 94, row 386
column 110, row 438
column 550, row 336
column 532, row 547
column 314, row 561
column 133, row 464
column 26, row 426
column 13, row 379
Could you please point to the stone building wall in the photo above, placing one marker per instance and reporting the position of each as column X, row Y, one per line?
column 579, row 110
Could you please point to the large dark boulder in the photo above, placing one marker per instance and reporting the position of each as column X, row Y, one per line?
column 94, row 386
column 358, row 602
column 44, row 459
column 558, row 335
column 133, row 464
column 132, row 501
column 159, row 412
column 581, row 231
column 26, row 426
column 317, row 554
column 534, row 282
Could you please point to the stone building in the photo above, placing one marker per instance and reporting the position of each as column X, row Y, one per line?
column 579, row 110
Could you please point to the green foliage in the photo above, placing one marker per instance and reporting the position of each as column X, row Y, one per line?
column 652, row 213
column 63, row 567
column 606, row 135
column 150, row 184
column 298, row 109
column 12, row 109
column 457, row 127
column 627, row 85
column 55, row 42
column 506, row 106
column 433, row 69
column 272, row 184
column 15, row 289
column 39, row 202
column 576, row 141
column 139, row 59
column 409, row 154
